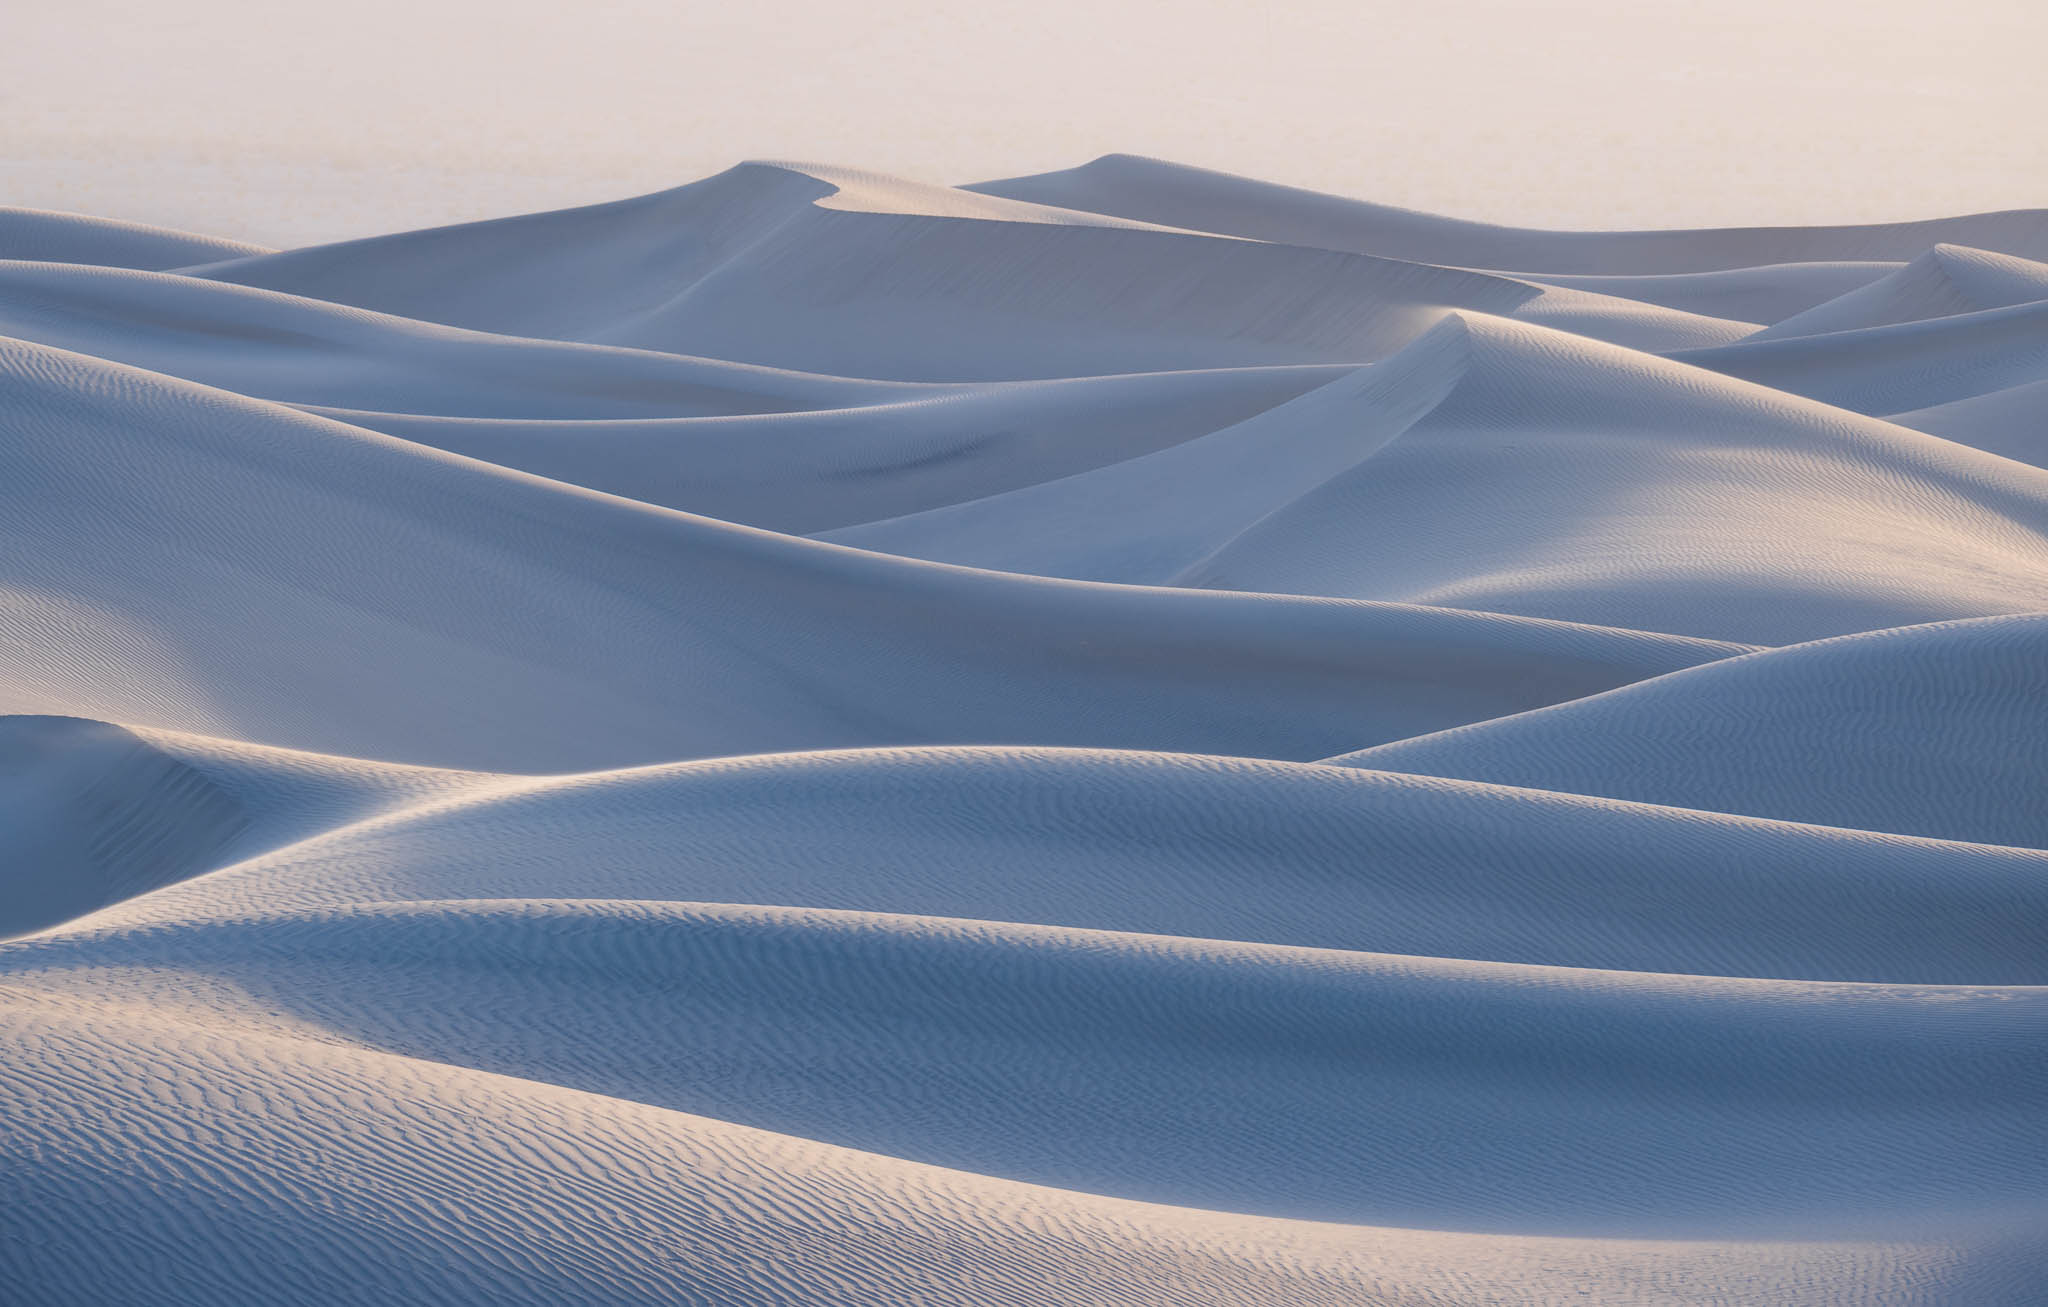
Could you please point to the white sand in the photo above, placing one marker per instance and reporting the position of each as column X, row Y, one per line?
column 758, row 744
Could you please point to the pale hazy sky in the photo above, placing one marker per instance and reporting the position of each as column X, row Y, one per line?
column 289, row 122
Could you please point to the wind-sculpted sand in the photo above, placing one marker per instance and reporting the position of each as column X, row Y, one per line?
column 1127, row 736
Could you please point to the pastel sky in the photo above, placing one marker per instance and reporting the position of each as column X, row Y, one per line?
column 298, row 122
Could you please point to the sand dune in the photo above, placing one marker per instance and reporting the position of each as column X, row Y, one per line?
column 1516, row 469
column 2012, row 423
column 1102, row 1062
column 1770, row 293
column 292, row 1204
column 813, row 469
column 756, row 744
column 367, row 596
column 788, row 266
column 1278, row 853
column 1945, row 281
column 1897, row 366
column 1882, row 731
column 36, row 234
column 296, row 350
column 1152, row 190
column 100, row 813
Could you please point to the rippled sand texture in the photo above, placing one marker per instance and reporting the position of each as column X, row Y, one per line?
column 1127, row 736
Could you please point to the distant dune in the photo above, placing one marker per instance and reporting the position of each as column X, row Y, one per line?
column 1124, row 736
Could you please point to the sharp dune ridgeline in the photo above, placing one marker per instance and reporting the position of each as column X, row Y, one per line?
column 1124, row 736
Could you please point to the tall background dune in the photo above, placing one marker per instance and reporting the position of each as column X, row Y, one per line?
column 286, row 126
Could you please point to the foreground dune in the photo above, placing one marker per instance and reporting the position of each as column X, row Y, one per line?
column 758, row 744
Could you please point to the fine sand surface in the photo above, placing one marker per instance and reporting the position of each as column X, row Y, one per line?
column 1123, row 736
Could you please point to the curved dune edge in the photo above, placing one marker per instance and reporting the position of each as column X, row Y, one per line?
column 756, row 744
column 41, row 234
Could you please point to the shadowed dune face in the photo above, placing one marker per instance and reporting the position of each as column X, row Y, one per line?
column 94, row 815
column 757, row 744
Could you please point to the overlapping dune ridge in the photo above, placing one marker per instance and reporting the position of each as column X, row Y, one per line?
column 1126, row 736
